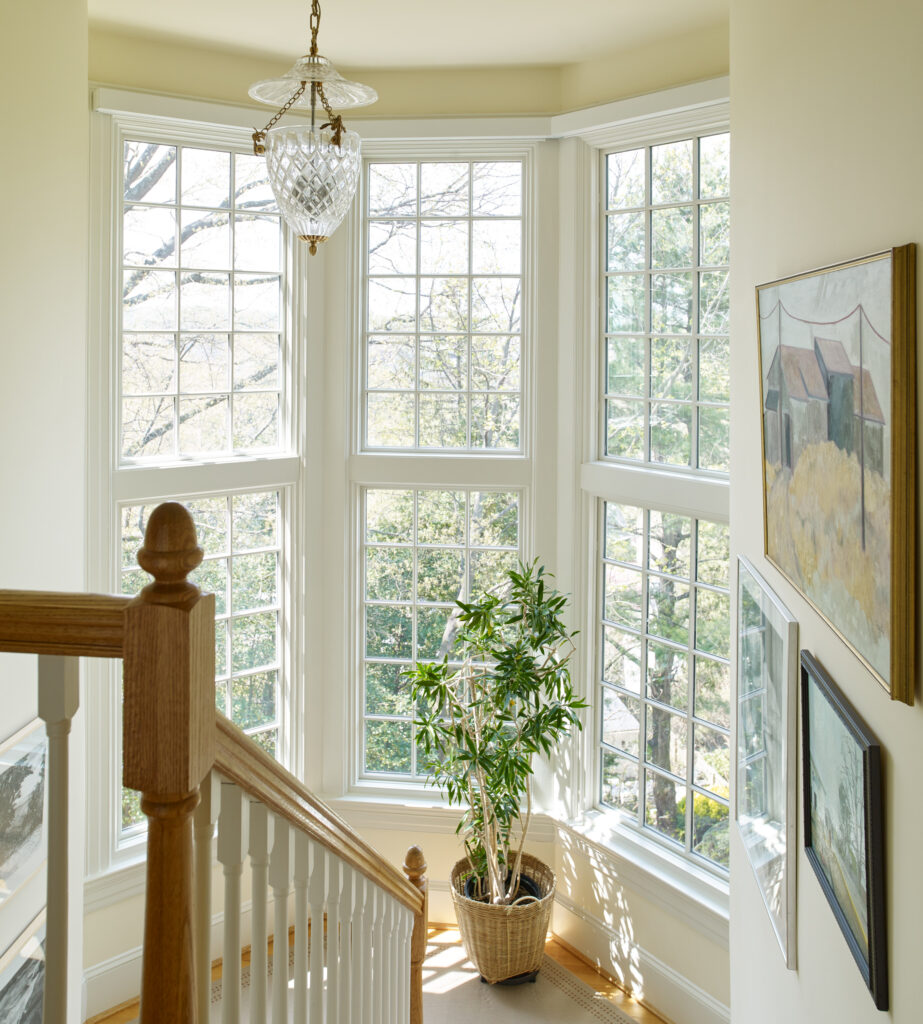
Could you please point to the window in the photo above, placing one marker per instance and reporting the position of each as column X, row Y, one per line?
column 660, row 494
column 201, row 305
column 444, row 289
column 665, row 689
column 424, row 549
column 442, row 475
column 667, row 250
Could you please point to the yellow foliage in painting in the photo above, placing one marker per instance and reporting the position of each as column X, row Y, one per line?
column 815, row 534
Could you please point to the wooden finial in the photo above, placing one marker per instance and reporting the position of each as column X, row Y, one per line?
column 415, row 867
column 170, row 552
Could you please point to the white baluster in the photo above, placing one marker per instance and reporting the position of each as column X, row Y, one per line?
column 233, row 840
column 318, row 885
column 302, row 872
column 347, row 1002
column 280, row 864
column 58, row 700
column 334, row 893
column 260, row 841
column 206, row 814
column 387, row 960
column 403, row 973
column 367, row 927
column 379, row 950
column 360, row 950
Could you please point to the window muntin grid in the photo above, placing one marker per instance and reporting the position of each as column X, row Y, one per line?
column 422, row 549
column 666, row 250
column 240, row 534
column 443, row 299
column 200, row 302
column 664, row 683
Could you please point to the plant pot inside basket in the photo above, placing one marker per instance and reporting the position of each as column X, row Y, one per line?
column 527, row 887
column 505, row 942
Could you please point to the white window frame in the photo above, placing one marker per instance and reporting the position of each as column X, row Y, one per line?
column 114, row 483
column 422, row 468
column 663, row 872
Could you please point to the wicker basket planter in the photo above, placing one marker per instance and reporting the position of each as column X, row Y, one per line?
column 504, row 941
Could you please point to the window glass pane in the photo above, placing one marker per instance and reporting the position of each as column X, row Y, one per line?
column 444, row 279
column 671, row 172
column 621, row 721
column 619, row 783
column 149, row 173
column 626, row 367
column 202, row 212
column 497, row 189
column 715, row 165
column 626, row 183
column 665, row 806
column 424, row 549
column 627, row 241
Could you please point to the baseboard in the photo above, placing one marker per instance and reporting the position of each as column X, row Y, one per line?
column 658, row 986
column 118, row 980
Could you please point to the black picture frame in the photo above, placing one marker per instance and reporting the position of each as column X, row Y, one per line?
column 844, row 831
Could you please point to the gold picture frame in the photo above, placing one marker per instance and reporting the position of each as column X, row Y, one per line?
column 837, row 356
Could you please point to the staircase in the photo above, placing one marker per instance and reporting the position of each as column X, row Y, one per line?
column 198, row 774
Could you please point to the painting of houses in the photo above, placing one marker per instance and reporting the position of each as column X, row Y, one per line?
column 818, row 393
column 827, row 348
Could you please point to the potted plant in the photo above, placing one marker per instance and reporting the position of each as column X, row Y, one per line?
column 501, row 694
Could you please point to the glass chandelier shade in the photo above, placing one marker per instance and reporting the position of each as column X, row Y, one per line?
column 313, row 171
column 313, row 178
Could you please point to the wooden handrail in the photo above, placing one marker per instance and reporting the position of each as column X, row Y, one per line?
column 240, row 760
column 69, row 625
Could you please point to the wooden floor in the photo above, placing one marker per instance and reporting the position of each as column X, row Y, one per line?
column 559, row 951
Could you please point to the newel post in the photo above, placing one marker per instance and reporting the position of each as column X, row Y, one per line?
column 168, row 748
column 415, row 870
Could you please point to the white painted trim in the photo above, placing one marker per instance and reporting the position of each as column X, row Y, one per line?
column 686, row 493
column 419, row 817
column 115, row 886
column 671, row 881
column 671, row 994
column 147, row 483
column 685, row 108
column 449, row 470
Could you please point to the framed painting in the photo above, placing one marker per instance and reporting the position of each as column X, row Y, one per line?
column 838, row 404
column 23, row 764
column 767, row 703
column 843, row 832
column 22, row 976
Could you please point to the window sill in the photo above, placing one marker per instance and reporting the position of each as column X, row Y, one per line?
column 680, row 887
column 413, row 813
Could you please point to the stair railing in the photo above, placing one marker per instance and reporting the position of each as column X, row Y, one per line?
column 359, row 924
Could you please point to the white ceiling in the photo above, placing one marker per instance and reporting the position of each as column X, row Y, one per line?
column 416, row 33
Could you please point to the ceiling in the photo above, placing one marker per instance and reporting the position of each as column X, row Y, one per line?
column 416, row 33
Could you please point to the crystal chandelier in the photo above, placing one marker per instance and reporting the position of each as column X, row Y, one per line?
column 314, row 172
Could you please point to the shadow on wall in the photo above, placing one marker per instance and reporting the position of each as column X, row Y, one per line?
column 586, row 880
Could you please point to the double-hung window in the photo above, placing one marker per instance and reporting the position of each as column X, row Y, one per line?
column 199, row 331
column 441, row 481
column 660, row 491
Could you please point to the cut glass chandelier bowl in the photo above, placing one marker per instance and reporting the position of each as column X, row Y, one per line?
column 313, row 178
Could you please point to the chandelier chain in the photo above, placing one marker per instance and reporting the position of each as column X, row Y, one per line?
column 315, row 25
column 258, row 148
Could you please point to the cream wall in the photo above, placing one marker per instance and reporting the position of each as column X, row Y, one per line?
column 176, row 68
column 43, row 347
column 826, row 159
